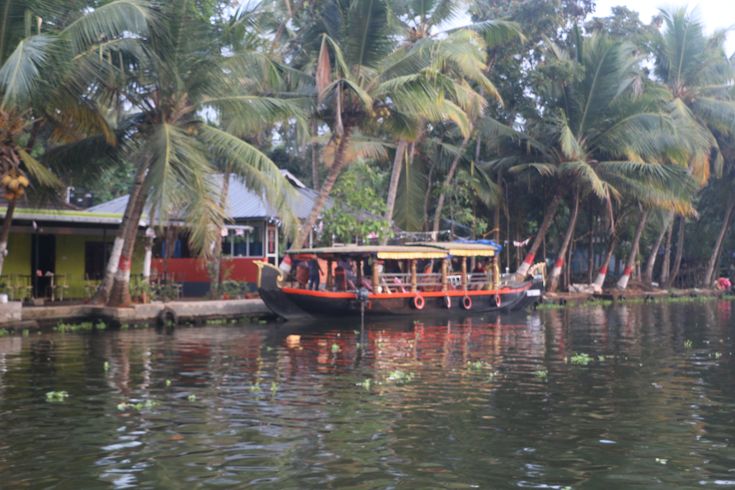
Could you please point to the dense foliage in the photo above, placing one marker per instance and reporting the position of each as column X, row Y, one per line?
column 590, row 142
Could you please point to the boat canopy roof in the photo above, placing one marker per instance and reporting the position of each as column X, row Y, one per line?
column 427, row 250
column 461, row 249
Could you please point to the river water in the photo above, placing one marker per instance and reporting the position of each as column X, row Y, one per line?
column 628, row 396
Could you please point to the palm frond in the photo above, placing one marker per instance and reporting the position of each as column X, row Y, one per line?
column 20, row 75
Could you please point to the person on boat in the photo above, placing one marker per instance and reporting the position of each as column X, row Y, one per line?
column 480, row 267
column 314, row 273
column 302, row 274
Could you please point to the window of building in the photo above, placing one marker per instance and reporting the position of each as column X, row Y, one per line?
column 95, row 259
column 244, row 243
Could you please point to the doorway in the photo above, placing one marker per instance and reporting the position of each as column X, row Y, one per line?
column 43, row 262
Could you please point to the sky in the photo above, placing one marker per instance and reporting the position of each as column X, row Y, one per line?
column 714, row 14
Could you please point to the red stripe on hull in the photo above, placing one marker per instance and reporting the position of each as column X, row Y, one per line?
column 426, row 294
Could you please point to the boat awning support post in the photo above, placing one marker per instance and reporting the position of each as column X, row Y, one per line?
column 445, row 269
column 496, row 274
column 414, row 280
column 330, row 279
column 463, row 279
column 376, row 275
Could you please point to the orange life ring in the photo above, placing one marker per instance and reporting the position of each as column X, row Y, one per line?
column 447, row 302
column 497, row 300
column 418, row 302
column 467, row 303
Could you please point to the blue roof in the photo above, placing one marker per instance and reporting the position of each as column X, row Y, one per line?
column 242, row 203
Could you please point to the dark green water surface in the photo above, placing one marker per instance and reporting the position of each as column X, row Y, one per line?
column 480, row 403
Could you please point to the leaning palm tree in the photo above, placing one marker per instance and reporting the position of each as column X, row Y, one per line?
column 180, row 87
column 697, row 75
column 44, row 50
column 418, row 19
column 596, row 133
column 365, row 84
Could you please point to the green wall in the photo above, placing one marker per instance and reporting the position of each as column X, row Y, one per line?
column 69, row 259
column 18, row 260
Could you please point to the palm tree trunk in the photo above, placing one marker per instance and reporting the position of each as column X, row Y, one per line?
column 602, row 273
column 679, row 252
column 549, row 214
column 651, row 262
column 216, row 279
column 5, row 232
column 666, row 263
column 427, row 198
column 314, row 155
column 136, row 194
column 623, row 281
column 395, row 177
column 447, row 183
column 326, row 188
column 714, row 259
column 559, row 265
column 120, row 291
column 591, row 247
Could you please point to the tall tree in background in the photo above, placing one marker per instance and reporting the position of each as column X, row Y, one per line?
column 177, row 80
column 364, row 83
column 45, row 61
column 698, row 77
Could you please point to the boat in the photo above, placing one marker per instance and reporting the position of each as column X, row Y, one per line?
column 415, row 279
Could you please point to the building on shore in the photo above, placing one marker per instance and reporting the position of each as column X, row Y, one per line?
column 62, row 253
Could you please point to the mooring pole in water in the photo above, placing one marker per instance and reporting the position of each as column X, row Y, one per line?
column 362, row 297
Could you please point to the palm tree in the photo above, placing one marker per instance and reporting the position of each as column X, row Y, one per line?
column 181, row 86
column 384, row 89
column 697, row 75
column 43, row 53
column 418, row 19
column 597, row 134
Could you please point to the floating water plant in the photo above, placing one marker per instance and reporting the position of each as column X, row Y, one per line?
column 477, row 365
column 688, row 344
column 106, row 366
column 192, row 397
column 366, row 383
column 718, row 355
column 581, row 359
column 335, row 348
column 56, row 396
column 541, row 374
column 26, row 332
column 400, row 377
column 138, row 406
column 274, row 388
column 167, row 383
column 662, row 460
column 255, row 388
column 4, row 332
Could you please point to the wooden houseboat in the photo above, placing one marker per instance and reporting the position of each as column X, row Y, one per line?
column 413, row 279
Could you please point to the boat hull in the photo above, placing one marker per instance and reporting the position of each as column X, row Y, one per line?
column 292, row 303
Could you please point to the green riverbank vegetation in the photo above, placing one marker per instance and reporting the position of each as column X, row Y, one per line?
column 602, row 142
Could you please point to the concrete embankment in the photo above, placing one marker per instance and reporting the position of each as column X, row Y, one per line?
column 15, row 315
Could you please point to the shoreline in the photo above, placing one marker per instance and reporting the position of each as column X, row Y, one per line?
column 553, row 301
column 15, row 316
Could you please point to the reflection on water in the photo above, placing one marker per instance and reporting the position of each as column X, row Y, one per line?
column 477, row 403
